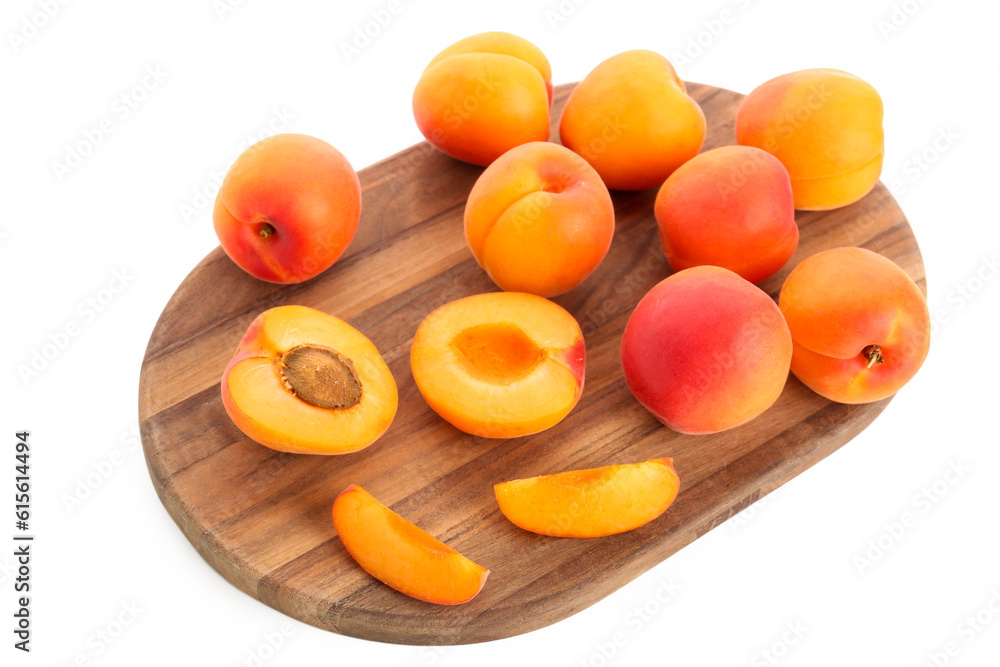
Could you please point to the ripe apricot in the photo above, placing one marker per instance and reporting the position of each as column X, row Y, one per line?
column 539, row 219
column 632, row 120
column 484, row 95
column 401, row 555
column 306, row 382
column 590, row 503
column 706, row 350
column 499, row 365
column 730, row 207
column 288, row 208
column 860, row 325
column 825, row 126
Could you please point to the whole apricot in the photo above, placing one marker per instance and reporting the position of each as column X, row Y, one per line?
column 730, row 207
column 825, row 126
column 706, row 350
column 632, row 119
column 288, row 208
column 539, row 219
column 484, row 95
column 860, row 325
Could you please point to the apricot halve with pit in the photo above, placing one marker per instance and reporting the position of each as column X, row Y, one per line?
column 306, row 382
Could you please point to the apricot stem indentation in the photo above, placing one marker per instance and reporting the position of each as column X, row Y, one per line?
column 873, row 353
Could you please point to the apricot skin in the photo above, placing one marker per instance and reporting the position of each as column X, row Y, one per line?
column 838, row 303
column 401, row 555
column 705, row 350
column 499, row 365
column 825, row 126
column 632, row 119
column 730, row 207
column 484, row 95
column 590, row 503
column 301, row 188
column 539, row 219
column 259, row 400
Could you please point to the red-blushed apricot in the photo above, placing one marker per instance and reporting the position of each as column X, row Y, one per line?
column 539, row 219
column 306, row 382
column 860, row 325
column 401, row 555
column 706, row 350
column 632, row 119
column 484, row 95
column 288, row 208
column 590, row 503
column 825, row 126
column 499, row 365
column 730, row 207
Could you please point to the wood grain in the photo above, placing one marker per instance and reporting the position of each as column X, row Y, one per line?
column 262, row 518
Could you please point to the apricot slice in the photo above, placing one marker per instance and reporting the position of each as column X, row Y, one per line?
column 306, row 382
column 401, row 555
column 593, row 502
column 499, row 365
column 860, row 326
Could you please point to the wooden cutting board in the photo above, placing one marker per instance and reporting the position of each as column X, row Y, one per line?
column 262, row 518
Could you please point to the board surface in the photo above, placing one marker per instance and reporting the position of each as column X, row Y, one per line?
column 261, row 518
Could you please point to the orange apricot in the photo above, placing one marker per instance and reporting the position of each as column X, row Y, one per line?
column 706, row 350
column 632, row 119
column 825, row 126
column 730, row 207
column 401, row 555
column 590, row 503
column 484, row 95
column 288, row 208
column 306, row 382
column 860, row 325
column 539, row 219
column 499, row 365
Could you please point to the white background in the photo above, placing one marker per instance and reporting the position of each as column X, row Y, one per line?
column 230, row 70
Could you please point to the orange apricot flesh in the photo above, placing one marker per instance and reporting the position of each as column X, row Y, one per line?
column 402, row 555
column 306, row 382
column 499, row 365
column 593, row 502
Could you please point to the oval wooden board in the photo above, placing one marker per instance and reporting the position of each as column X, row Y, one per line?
column 262, row 518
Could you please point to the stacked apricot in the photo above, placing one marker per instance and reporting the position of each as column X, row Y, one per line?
column 704, row 350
